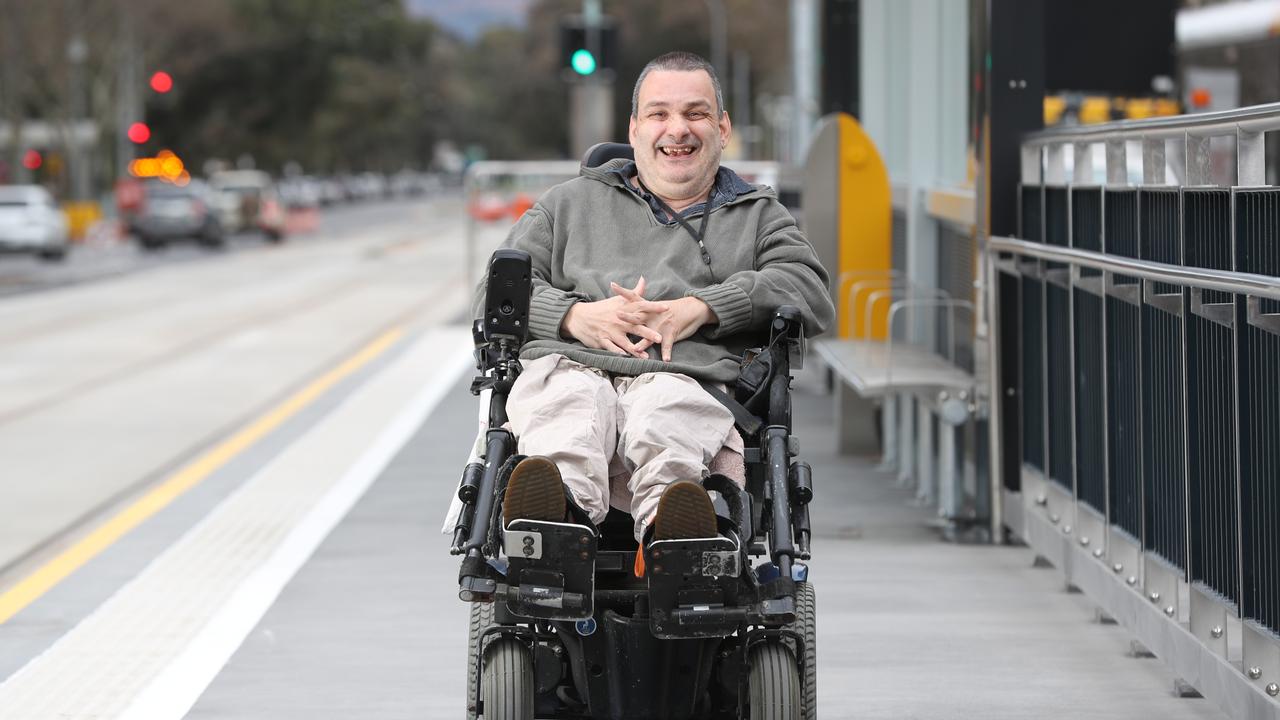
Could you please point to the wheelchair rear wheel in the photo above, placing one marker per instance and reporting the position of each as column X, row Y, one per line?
column 806, row 625
column 481, row 620
column 507, row 682
column 773, row 685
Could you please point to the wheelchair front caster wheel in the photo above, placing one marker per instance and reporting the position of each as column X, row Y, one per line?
column 773, row 685
column 507, row 682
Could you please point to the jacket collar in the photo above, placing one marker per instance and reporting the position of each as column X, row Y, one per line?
column 729, row 187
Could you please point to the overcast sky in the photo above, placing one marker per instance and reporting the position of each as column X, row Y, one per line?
column 468, row 18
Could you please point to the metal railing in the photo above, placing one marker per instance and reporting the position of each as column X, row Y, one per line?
column 1148, row 374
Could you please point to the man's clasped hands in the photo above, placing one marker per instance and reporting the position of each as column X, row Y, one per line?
column 610, row 324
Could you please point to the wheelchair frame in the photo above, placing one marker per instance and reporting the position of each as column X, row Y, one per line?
column 700, row 599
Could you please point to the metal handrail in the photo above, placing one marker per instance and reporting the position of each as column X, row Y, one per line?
column 1239, row 283
column 877, row 287
column 1253, row 119
column 864, row 278
column 916, row 290
column 951, row 303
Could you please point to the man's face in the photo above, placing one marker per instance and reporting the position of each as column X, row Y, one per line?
column 678, row 133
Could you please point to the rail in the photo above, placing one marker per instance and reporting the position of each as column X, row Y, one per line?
column 1138, row 324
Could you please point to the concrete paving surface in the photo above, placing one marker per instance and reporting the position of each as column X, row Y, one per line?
column 909, row 626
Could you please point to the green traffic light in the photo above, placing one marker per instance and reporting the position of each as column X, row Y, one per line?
column 583, row 62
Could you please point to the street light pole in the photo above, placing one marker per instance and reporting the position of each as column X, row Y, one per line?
column 128, row 108
column 804, row 64
column 719, row 40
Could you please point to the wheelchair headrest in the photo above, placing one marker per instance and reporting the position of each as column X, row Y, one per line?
column 601, row 153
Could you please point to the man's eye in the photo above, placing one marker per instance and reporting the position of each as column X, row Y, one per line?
column 657, row 115
column 697, row 115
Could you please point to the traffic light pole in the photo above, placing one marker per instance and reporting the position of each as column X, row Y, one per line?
column 591, row 96
column 590, row 113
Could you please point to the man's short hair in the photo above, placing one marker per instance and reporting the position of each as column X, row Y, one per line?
column 684, row 62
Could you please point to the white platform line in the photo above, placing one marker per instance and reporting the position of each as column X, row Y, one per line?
column 157, row 643
column 175, row 690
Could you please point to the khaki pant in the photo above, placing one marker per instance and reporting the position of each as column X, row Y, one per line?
column 631, row 435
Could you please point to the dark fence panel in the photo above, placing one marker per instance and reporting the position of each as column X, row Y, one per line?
column 1029, row 214
column 1057, row 209
column 1211, row 437
column 1091, row 473
column 1011, row 378
column 956, row 273
column 1257, row 215
column 1124, row 378
column 1164, row 439
column 1032, row 388
column 1058, row 334
column 1090, row 425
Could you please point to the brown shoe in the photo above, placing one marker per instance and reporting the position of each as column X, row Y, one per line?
column 684, row 512
column 534, row 492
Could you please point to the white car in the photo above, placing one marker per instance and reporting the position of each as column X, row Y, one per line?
column 30, row 221
column 247, row 200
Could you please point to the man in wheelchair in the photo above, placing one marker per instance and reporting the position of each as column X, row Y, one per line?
column 615, row 334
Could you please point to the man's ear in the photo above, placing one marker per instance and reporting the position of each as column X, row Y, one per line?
column 631, row 130
column 726, row 130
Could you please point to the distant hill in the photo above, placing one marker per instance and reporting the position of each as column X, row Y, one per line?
column 468, row 18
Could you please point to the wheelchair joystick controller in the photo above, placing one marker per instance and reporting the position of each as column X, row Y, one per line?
column 498, row 337
column 506, row 304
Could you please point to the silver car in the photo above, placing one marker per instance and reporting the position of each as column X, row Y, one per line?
column 30, row 221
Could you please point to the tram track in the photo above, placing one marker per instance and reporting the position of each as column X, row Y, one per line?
column 300, row 310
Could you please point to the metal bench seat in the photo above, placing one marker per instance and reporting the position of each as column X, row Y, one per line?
column 874, row 368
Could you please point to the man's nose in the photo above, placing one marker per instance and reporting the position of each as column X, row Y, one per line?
column 678, row 128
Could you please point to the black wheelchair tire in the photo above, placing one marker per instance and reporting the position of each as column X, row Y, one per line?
column 481, row 620
column 806, row 625
column 507, row 682
column 773, row 685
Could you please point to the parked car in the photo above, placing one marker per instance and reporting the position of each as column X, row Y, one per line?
column 248, row 200
column 170, row 212
column 30, row 221
column 302, row 192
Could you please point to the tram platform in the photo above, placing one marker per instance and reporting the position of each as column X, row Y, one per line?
column 365, row 622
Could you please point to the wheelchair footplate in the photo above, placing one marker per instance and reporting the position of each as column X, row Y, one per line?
column 551, row 569
column 694, row 588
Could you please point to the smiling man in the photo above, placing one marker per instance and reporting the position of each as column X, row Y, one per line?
column 649, row 277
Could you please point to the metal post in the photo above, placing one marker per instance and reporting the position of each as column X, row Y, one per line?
column 995, row 417
column 924, row 454
column 889, row 432
column 906, row 454
column 947, row 491
column 742, row 102
column 719, row 41
column 1251, row 158
column 1154, row 171
column 128, row 108
column 804, row 66
column 590, row 98
column 77, row 51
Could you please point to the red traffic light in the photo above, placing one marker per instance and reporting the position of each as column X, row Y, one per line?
column 32, row 160
column 161, row 82
column 139, row 133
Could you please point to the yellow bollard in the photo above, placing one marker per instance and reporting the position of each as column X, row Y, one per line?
column 80, row 215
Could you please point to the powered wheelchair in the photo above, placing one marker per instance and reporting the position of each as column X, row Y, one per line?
column 561, row 627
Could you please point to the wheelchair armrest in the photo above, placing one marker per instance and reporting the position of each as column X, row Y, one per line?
column 788, row 327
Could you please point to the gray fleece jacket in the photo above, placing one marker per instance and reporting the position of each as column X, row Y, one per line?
column 593, row 229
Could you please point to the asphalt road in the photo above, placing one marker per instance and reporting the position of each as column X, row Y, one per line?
column 108, row 253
